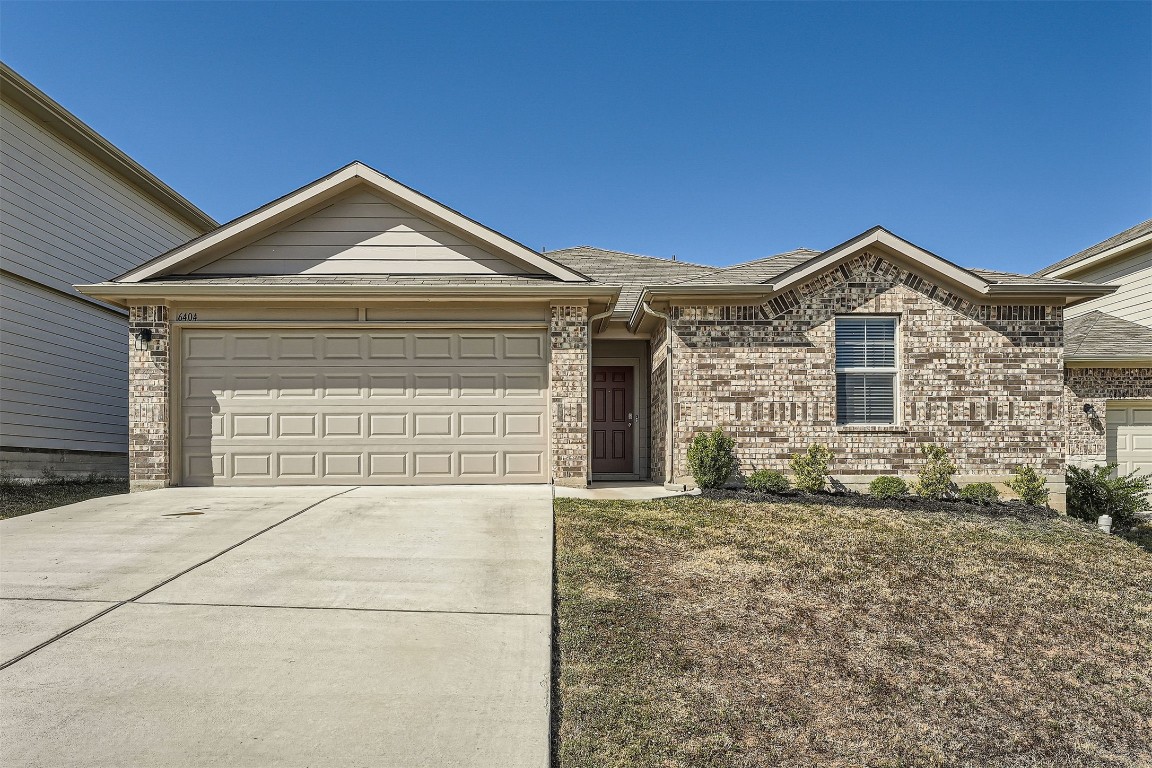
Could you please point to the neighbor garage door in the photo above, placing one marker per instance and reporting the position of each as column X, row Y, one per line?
column 375, row 407
column 1130, row 436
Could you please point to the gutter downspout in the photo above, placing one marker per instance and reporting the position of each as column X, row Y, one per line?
column 669, row 452
column 588, row 395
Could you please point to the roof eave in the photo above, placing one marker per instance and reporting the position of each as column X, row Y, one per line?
column 123, row 294
column 1115, row 251
column 74, row 130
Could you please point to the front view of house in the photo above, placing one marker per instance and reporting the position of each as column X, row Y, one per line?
column 358, row 332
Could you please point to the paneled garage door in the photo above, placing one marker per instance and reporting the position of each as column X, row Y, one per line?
column 1130, row 436
column 342, row 407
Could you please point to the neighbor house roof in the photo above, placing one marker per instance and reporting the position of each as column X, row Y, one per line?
column 1121, row 243
column 1100, row 336
column 76, row 132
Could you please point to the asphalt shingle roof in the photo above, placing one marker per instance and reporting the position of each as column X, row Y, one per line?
column 994, row 276
column 758, row 271
column 1141, row 229
column 1100, row 336
column 632, row 272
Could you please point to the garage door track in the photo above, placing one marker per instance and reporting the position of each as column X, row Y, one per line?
column 279, row 627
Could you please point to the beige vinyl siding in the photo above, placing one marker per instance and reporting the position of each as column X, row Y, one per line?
column 361, row 234
column 67, row 220
column 64, row 379
column 1133, row 301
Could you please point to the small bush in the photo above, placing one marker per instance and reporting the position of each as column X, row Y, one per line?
column 980, row 493
column 1094, row 492
column 936, row 474
column 887, row 487
column 711, row 459
column 1029, row 486
column 767, row 481
column 811, row 468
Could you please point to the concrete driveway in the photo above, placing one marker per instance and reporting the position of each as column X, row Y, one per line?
column 279, row 627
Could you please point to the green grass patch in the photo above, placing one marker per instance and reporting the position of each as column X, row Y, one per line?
column 697, row 632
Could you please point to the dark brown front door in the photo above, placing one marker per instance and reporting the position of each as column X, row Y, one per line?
column 612, row 412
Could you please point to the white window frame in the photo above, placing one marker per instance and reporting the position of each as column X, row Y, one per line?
column 894, row 370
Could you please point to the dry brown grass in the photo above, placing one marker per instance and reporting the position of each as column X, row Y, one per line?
column 696, row 632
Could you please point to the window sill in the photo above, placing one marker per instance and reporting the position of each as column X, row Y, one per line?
column 883, row 429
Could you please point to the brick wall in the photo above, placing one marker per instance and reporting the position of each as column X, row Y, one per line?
column 658, row 387
column 568, row 331
column 148, row 399
column 1094, row 387
column 986, row 381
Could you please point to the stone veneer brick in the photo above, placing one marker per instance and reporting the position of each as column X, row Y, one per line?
column 568, row 364
column 986, row 381
column 1088, row 430
column 148, row 405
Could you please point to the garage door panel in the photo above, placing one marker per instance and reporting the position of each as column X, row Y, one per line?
column 1129, row 436
column 281, row 407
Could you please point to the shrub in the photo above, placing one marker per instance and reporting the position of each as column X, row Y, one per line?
column 1029, row 486
column 1094, row 492
column 811, row 468
column 980, row 493
column 936, row 474
column 887, row 487
column 710, row 458
column 767, row 481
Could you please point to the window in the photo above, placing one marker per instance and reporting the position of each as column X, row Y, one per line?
column 866, row 370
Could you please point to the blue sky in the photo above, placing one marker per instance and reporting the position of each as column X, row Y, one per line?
column 1002, row 135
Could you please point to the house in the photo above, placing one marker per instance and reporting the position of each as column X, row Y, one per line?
column 1108, row 353
column 74, row 209
column 356, row 331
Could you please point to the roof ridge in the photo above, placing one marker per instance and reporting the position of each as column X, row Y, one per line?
column 1091, row 319
column 634, row 255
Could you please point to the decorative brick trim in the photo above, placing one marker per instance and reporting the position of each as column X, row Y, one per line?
column 984, row 380
column 568, row 368
column 148, row 398
column 1094, row 387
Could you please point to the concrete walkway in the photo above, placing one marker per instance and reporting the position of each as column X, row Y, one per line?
column 279, row 627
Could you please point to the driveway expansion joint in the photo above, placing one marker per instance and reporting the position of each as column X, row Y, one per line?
column 346, row 608
column 169, row 580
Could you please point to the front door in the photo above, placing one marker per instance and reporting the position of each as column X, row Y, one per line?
column 612, row 418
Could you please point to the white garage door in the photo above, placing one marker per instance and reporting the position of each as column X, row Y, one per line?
column 1130, row 436
column 274, row 407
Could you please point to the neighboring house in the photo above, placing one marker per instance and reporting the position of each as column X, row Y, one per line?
column 356, row 331
column 74, row 209
column 1108, row 353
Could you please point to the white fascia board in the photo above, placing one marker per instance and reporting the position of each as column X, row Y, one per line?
column 330, row 186
column 1115, row 251
column 122, row 294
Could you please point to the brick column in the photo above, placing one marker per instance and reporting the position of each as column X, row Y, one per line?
column 568, row 367
column 148, row 398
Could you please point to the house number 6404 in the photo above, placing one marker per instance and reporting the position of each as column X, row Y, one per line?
column 184, row 317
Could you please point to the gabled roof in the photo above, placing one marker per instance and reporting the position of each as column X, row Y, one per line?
column 76, row 132
column 1098, row 336
column 630, row 271
column 278, row 212
column 1117, row 245
column 783, row 271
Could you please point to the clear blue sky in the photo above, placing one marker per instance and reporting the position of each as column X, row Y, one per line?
column 1002, row 135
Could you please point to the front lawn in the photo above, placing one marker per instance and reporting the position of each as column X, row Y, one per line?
column 697, row 632
column 21, row 498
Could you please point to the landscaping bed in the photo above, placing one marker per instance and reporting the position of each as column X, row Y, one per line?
column 834, row 631
column 24, row 497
